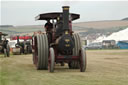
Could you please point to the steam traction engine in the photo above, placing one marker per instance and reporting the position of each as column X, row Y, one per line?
column 4, row 46
column 61, row 45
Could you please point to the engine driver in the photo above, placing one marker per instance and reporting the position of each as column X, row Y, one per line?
column 48, row 26
column 48, row 29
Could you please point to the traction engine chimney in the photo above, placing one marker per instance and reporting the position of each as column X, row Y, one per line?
column 65, row 18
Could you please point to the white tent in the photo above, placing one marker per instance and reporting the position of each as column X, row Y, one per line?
column 117, row 36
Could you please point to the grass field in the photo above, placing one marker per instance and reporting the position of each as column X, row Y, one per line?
column 105, row 67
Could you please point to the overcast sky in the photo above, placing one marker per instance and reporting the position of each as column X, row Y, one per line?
column 24, row 12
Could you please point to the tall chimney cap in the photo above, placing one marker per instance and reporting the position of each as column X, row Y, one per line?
column 65, row 7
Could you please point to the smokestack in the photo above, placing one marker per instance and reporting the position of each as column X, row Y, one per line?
column 0, row 37
column 65, row 17
column 18, row 39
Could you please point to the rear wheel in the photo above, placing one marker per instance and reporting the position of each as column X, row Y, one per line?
column 33, row 58
column 51, row 60
column 62, row 63
column 33, row 50
column 74, row 65
column 76, row 50
column 40, row 55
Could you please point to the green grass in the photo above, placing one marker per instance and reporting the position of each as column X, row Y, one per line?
column 105, row 67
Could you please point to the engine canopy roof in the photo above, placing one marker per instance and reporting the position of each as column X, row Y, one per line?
column 3, row 34
column 54, row 15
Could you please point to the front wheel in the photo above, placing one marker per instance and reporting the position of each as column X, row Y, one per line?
column 5, row 52
column 51, row 60
column 83, row 60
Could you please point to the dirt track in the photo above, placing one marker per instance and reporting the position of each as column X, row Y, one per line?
column 105, row 67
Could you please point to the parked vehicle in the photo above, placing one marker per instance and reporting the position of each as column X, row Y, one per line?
column 4, row 46
column 94, row 46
